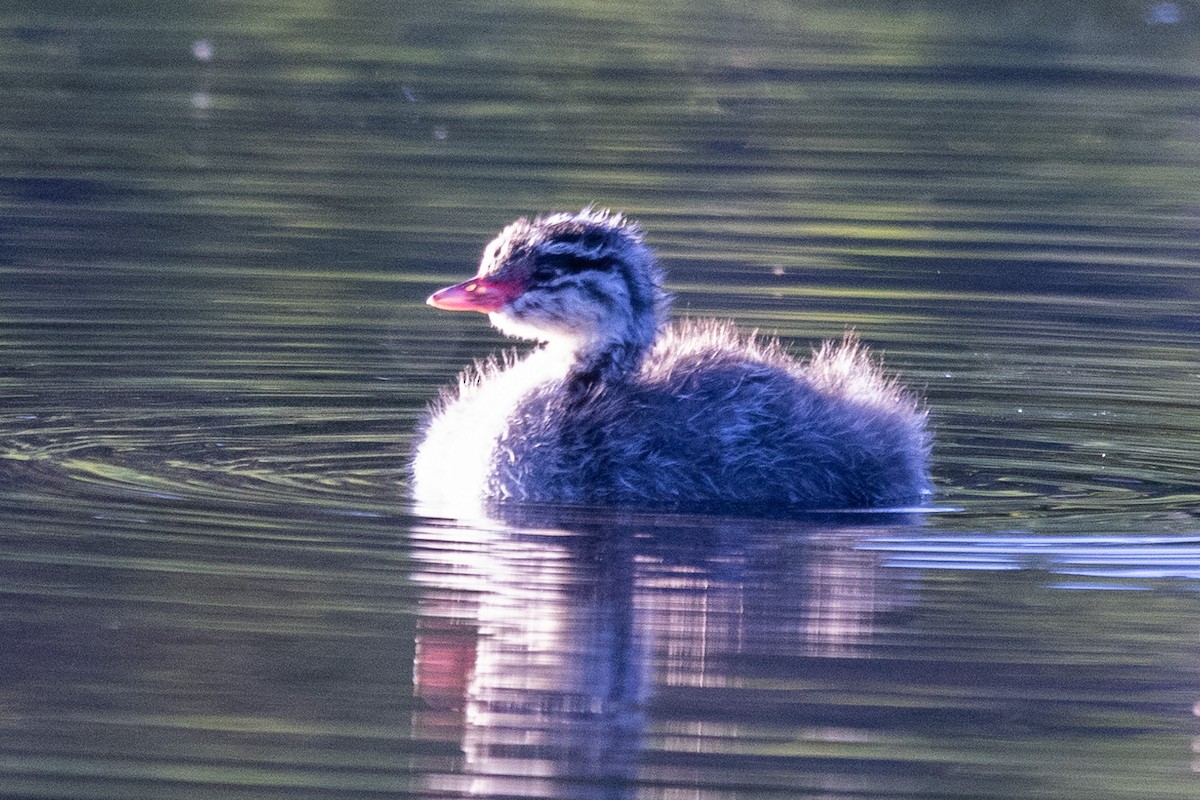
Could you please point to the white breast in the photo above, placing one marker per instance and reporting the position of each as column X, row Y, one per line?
column 453, row 463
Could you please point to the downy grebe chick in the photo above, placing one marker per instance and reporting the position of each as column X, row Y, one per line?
column 619, row 407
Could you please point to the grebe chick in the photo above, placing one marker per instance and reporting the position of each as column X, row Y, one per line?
column 619, row 407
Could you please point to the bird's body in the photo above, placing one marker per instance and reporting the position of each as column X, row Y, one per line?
column 618, row 407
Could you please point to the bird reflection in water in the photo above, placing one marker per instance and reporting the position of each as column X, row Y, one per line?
column 559, row 656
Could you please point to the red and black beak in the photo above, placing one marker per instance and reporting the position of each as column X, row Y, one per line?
column 485, row 295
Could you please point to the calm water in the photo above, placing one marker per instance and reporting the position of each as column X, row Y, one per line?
column 219, row 225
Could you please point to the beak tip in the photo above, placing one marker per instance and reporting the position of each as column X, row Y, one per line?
column 483, row 294
column 470, row 295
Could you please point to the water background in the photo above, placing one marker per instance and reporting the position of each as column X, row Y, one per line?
column 220, row 221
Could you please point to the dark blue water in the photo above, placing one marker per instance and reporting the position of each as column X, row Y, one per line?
column 219, row 227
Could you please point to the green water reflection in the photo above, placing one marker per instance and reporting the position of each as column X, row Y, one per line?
column 218, row 226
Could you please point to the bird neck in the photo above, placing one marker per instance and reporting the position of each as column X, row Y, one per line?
column 603, row 366
column 619, row 352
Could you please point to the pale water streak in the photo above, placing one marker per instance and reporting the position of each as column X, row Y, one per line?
column 1100, row 555
column 218, row 226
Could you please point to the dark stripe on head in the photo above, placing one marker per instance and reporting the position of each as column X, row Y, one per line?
column 573, row 263
column 598, row 294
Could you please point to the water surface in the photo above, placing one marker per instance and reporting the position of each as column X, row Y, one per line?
column 220, row 224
